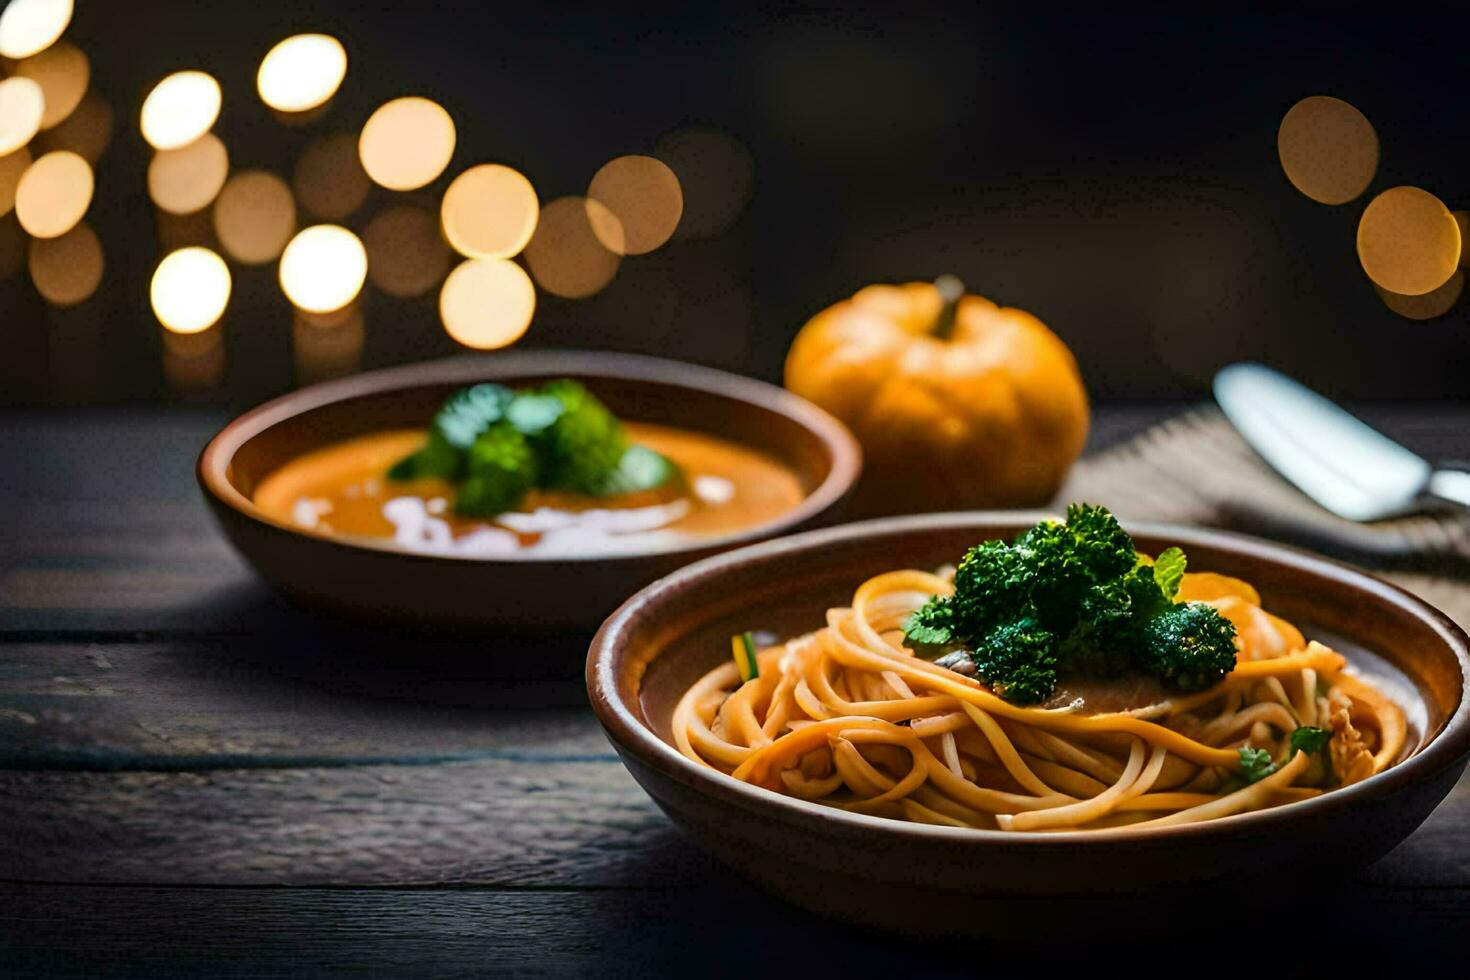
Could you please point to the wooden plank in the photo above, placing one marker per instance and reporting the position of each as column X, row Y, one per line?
column 323, row 699
column 543, row 824
column 717, row 928
column 496, row 821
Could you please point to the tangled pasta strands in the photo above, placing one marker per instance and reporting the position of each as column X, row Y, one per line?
column 848, row 717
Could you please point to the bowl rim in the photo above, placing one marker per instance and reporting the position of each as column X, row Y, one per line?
column 631, row 734
column 844, row 453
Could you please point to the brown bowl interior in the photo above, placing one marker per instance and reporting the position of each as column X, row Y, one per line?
column 375, row 580
column 662, row 640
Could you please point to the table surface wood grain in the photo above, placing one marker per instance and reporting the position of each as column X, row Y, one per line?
column 198, row 778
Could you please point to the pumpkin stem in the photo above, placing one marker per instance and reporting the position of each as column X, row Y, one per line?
column 950, row 290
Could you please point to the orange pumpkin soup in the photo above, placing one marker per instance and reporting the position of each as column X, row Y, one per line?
column 343, row 489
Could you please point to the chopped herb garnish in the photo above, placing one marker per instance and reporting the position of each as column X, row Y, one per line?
column 742, row 645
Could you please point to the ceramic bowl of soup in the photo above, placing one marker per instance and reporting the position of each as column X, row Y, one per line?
column 301, row 487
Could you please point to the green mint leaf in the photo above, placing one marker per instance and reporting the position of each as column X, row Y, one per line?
column 1310, row 740
column 1169, row 571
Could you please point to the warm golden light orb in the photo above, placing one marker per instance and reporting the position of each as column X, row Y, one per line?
column 329, row 180
column 567, row 255
column 406, row 143
column 1328, row 149
column 188, row 179
column 195, row 362
column 12, row 165
column 63, row 73
column 180, row 109
column 487, row 303
column 644, row 195
column 489, row 212
column 29, row 27
column 326, row 347
column 254, row 216
column 1436, row 302
column 190, row 290
column 301, row 72
column 1408, row 241
column 1462, row 221
column 67, row 270
column 407, row 256
column 86, row 132
column 22, row 106
column 323, row 268
column 54, row 194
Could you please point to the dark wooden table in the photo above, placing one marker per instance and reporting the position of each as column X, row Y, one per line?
column 197, row 778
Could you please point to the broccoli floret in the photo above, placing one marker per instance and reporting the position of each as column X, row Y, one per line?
column 501, row 468
column 1074, row 595
column 1256, row 764
column 1190, row 644
column 640, row 469
column 454, row 430
column 584, row 444
column 1019, row 661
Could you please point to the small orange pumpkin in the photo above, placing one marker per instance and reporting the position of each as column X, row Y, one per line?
column 958, row 403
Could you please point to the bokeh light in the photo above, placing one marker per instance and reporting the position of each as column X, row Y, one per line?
column 22, row 106
column 63, row 72
column 194, row 362
column 86, row 132
column 407, row 256
column 301, row 72
column 489, row 211
column 12, row 165
column 180, row 109
column 327, row 346
column 567, row 255
column 329, row 180
column 716, row 174
column 67, row 270
column 1462, row 221
column 54, row 194
column 323, row 268
column 188, row 179
column 487, row 303
column 190, row 290
column 407, row 143
column 1426, row 306
column 1328, row 149
column 1408, row 241
column 254, row 216
column 29, row 27
column 644, row 195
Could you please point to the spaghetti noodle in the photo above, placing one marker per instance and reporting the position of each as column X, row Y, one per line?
column 850, row 717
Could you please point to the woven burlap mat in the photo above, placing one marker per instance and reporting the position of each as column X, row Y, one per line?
column 1196, row 469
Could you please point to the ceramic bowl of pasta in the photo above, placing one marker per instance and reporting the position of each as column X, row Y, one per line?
column 527, row 490
column 873, row 719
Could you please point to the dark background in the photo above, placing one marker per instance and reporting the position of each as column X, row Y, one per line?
column 1117, row 176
